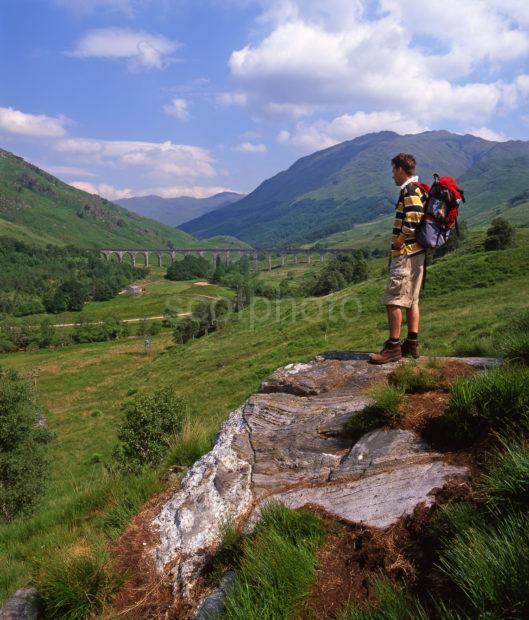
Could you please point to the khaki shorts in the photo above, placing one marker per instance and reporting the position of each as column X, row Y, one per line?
column 404, row 281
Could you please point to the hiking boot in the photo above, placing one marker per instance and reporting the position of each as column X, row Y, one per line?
column 410, row 347
column 390, row 353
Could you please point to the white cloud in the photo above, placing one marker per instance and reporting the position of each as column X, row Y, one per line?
column 488, row 134
column 157, row 159
column 178, row 109
column 419, row 59
column 229, row 99
column 36, row 125
column 283, row 136
column 194, row 191
column 172, row 191
column 250, row 147
column 103, row 189
column 142, row 49
column 66, row 170
column 322, row 134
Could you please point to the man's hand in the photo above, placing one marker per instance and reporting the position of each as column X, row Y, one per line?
column 397, row 246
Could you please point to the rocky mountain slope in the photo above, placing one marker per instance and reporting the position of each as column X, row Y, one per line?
column 350, row 183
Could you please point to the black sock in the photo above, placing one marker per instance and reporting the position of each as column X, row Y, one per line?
column 394, row 340
column 412, row 335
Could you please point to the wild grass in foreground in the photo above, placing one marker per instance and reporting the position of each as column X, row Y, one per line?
column 277, row 567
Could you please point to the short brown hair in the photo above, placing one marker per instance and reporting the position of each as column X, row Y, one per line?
column 406, row 161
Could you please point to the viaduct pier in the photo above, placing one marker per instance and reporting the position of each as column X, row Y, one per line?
column 226, row 254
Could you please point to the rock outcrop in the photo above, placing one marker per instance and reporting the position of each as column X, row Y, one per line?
column 286, row 443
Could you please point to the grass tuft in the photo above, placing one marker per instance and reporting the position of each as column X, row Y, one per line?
column 76, row 581
column 384, row 409
column 489, row 565
column 508, row 478
column 413, row 379
column 278, row 566
column 490, row 401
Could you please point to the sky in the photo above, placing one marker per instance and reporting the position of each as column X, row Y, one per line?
column 192, row 97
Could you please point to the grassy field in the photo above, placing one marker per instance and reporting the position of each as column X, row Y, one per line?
column 159, row 295
column 83, row 386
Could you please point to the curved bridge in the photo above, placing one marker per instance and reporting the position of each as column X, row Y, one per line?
column 227, row 254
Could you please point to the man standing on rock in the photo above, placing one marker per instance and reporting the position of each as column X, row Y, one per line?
column 407, row 264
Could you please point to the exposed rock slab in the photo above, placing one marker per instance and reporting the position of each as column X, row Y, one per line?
column 286, row 443
column 22, row 605
column 376, row 500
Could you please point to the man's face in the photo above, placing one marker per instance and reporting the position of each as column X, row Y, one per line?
column 399, row 175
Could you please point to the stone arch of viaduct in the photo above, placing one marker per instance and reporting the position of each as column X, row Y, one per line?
column 282, row 255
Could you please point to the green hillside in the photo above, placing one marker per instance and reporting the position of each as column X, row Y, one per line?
column 82, row 387
column 350, row 184
column 38, row 208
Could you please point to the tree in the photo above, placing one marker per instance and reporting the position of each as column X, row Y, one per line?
column 500, row 235
column 185, row 329
column 188, row 268
column 47, row 333
column 148, row 424
column 24, row 462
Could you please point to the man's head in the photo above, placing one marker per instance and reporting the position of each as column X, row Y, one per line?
column 402, row 167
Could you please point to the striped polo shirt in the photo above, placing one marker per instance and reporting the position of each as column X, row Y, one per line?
column 408, row 214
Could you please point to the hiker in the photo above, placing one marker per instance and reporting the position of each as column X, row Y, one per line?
column 407, row 264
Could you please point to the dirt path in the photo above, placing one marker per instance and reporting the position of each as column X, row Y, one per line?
column 143, row 318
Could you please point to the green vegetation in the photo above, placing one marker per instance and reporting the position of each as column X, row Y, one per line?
column 384, row 408
column 188, row 268
column 277, row 566
column 74, row 585
column 24, row 462
column 56, row 279
column 412, row 378
column 83, row 387
column 507, row 481
column 149, row 421
column 489, row 401
column 500, row 235
column 347, row 186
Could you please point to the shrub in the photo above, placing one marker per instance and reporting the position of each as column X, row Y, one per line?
column 489, row 565
column 508, row 478
column 384, row 409
column 73, row 582
column 185, row 329
column 149, row 423
column 24, row 462
column 500, row 235
column 277, row 567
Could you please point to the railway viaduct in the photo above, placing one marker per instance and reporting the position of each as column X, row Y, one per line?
column 226, row 254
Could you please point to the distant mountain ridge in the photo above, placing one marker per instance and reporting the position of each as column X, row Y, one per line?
column 38, row 208
column 175, row 211
column 334, row 189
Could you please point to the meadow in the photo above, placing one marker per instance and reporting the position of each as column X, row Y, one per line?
column 82, row 387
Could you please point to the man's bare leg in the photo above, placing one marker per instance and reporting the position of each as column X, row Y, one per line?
column 395, row 321
column 412, row 317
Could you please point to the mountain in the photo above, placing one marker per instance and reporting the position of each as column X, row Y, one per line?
column 39, row 208
column 349, row 184
column 175, row 211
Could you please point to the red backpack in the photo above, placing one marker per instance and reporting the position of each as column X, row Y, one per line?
column 441, row 209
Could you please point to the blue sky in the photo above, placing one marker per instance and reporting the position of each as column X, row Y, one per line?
column 174, row 97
